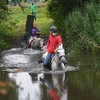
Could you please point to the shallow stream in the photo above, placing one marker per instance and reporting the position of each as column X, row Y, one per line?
column 17, row 83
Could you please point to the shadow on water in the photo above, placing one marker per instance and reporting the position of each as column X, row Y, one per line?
column 17, row 84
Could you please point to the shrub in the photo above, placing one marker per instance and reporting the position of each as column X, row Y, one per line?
column 83, row 28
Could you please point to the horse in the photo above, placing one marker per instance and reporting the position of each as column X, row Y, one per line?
column 58, row 62
column 33, row 42
column 58, row 59
column 27, row 89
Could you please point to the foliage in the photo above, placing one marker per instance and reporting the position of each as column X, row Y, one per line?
column 58, row 9
column 83, row 29
column 82, row 23
column 3, row 11
column 16, row 21
column 43, row 22
column 5, row 25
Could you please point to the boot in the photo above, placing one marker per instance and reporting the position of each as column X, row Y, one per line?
column 47, row 67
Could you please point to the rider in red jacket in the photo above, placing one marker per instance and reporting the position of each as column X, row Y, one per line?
column 54, row 41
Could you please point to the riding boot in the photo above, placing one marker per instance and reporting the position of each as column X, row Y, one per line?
column 47, row 67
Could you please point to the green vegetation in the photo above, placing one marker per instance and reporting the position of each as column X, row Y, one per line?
column 14, row 23
column 79, row 23
column 5, row 25
column 83, row 29
column 77, row 20
column 43, row 22
column 59, row 9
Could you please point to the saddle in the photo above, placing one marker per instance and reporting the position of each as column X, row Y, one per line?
column 35, row 43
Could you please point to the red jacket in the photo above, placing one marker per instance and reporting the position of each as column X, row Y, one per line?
column 54, row 94
column 53, row 42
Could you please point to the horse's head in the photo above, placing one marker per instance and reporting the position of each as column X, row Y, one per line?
column 61, row 53
column 58, row 61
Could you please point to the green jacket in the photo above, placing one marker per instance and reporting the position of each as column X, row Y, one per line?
column 32, row 8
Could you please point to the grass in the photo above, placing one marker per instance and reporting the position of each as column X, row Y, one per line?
column 43, row 22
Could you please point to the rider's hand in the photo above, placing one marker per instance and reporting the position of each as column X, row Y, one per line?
column 44, row 55
column 55, row 51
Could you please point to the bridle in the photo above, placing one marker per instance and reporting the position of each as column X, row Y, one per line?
column 57, row 61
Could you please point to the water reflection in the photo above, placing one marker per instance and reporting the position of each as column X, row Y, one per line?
column 20, row 85
column 6, row 87
column 56, row 85
column 26, row 88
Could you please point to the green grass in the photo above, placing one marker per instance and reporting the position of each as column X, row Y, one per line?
column 43, row 22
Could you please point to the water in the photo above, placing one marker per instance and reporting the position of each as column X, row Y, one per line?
column 17, row 83
column 84, row 85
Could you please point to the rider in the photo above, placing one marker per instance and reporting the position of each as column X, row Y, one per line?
column 54, row 43
column 33, row 35
column 35, row 31
column 33, row 9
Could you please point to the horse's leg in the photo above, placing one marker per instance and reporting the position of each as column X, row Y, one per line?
column 62, row 66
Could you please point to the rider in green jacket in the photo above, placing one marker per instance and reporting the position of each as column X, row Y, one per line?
column 33, row 9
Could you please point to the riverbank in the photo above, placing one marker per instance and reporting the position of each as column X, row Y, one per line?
column 16, row 24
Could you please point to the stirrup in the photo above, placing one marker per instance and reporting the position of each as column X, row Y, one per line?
column 45, row 69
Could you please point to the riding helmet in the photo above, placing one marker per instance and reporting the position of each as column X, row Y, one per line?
column 53, row 29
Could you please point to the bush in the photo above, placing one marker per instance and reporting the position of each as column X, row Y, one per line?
column 5, row 25
column 83, row 29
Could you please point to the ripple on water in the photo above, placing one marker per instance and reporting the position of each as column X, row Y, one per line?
column 16, row 59
column 31, row 51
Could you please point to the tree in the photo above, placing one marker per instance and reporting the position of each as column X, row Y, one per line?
column 59, row 9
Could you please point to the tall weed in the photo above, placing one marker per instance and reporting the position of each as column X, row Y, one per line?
column 83, row 29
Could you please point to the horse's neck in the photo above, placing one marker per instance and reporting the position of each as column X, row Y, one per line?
column 55, row 62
